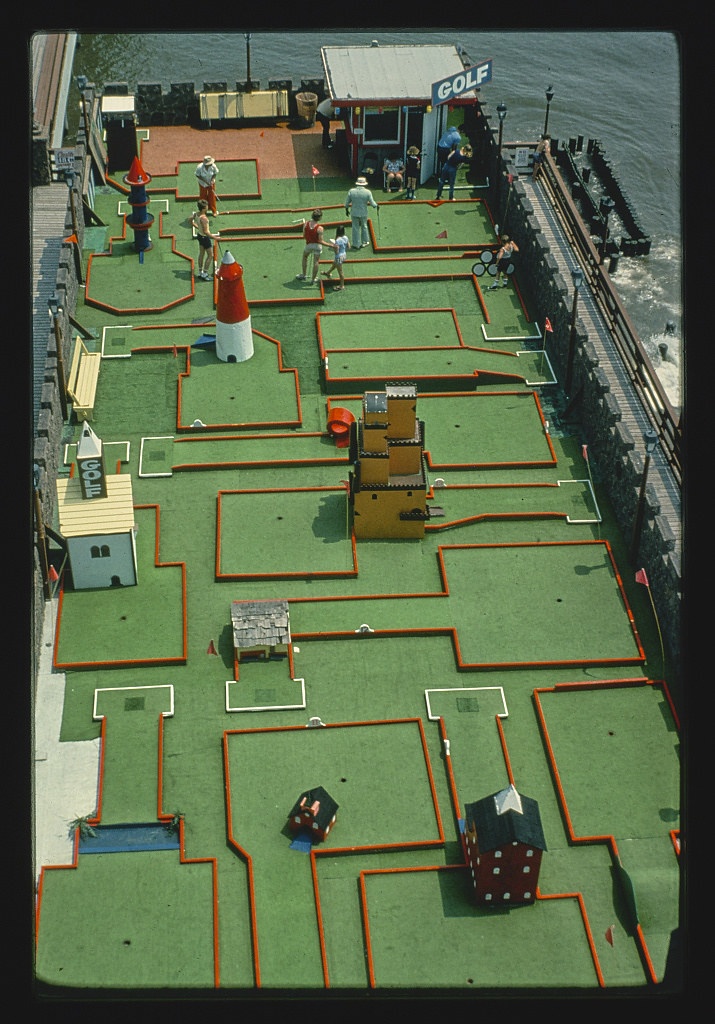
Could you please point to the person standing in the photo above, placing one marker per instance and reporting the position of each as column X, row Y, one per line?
column 357, row 202
column 324, row 114
column 340, row 244
column 447, row 143
column 394, row 171
column 449, row 169
column 207, row 173
column 412, row 171
column 503, row 257
column 543, row 146
column 205, row 239
column 313, row 235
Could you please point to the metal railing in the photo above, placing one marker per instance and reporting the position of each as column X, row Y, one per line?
column 662, row 415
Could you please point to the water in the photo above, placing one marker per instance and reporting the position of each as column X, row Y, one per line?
column 623, row 88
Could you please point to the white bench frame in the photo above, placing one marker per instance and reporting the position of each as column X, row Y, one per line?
column 82, row 382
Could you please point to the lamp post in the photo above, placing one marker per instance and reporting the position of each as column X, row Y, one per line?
column 70, row 178
column 577, row 278
column 54, row 306
column 549, row 97
column 82, row 83
column 501, row 112
column 650, row 439
column 249, row 86
column 605, row 206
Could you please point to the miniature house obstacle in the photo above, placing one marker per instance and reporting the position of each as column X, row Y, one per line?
column 314, row 810
column 96, row 520
column 503, row 843
column 260, row 628
column 388, row 484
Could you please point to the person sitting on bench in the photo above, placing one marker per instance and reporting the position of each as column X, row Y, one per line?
column 394, row 170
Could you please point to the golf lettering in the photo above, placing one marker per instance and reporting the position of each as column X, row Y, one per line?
column 91, row 475
column 462, row 82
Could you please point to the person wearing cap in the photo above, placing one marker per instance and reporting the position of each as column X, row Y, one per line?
column 357, row 201
column 447, row 143
column 207, row 172
column 503, row 261
column 448, row 174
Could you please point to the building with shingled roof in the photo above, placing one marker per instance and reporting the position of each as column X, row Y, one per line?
column 315, row 810
column 260, row 628
column 503, row 844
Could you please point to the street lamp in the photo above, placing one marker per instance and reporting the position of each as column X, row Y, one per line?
column 549, row 97
column 650, row 439
column 249, row 84
column 54, row 307
column 82, row 83
column 605, row 206
column 577, row 278
column 501, row 112
column 70, row 179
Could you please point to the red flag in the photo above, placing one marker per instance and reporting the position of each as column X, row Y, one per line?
column 174, row 350
column 510, row 178
column 72, row 238
column 584, row 451
column 314, row 170
column 442, row 234
column 261, row 134
column 211, row 649
column 53, row 574
column 642, row 578
column 609, row 934
column 547, row 325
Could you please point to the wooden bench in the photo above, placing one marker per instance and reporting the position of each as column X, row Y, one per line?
column 82, row 380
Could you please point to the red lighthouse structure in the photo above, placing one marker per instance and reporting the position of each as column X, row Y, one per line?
column 139, row 220
column 234, row 337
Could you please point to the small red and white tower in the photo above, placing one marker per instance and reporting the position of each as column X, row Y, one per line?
column 234, row 337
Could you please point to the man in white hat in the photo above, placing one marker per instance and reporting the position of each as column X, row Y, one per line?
column 207, row 173
column 356, row 204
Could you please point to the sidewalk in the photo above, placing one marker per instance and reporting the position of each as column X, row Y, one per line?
column 66, row 774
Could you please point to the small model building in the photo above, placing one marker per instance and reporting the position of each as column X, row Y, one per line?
column 96, row 520
column 388, row 486
column 503, row 844
column 314, row 809
column 260, row 628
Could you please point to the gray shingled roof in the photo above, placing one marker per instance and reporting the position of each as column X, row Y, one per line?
column 495, row 830
column 258, row 623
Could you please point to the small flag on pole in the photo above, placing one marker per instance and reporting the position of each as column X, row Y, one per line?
column 584, row 451
column 261, row 134
column 72, row 238
column 175, row 350
column 442, row 234
column 211, row 649
column 314, row 170
column 547, row 325
column 53, row 574
column 642, row 578
column 510, row 178
column 609, row 934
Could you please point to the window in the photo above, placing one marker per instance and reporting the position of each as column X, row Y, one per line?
column 97, row 552
column 496, row 871
column 488, row 896
column 507, row 896
column 297, row 819
column 529, row 853
column 526, row 869
column 497, row 853
column 527, row 895
column 382, row 125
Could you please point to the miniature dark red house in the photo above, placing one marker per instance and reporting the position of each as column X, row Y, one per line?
column 316, row 810
column 503, row 844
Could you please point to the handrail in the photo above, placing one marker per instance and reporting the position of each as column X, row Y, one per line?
column 664, row 418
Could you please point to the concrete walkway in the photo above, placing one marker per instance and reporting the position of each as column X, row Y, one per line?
column 66, row 774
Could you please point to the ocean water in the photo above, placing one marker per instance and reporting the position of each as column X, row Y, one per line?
column 621, row 87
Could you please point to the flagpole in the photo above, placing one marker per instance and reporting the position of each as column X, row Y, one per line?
column 641, row 577
column 584, row 452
